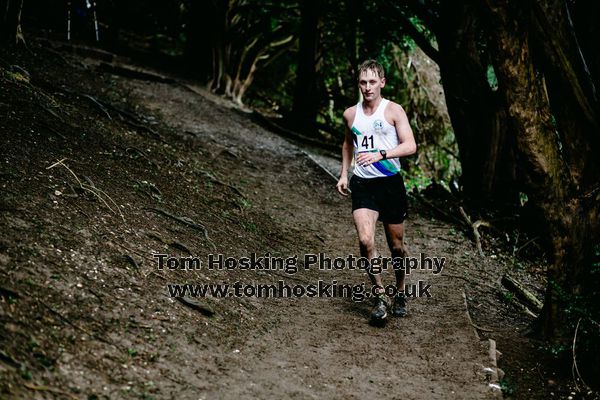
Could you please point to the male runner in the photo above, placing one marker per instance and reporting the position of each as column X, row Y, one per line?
column 377, row 135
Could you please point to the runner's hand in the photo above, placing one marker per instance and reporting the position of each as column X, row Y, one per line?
column 365, row 159
column 342, row 186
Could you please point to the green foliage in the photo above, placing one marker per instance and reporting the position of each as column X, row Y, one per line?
column 350, row 33
column 523, row 198
column 508, row 297
column 25, row 374
column 415, row 180
column 491, row 78
column 508, row 389
column 556, row 350
column 252, row 227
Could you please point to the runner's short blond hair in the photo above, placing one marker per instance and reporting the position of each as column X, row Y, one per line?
column 372, row 65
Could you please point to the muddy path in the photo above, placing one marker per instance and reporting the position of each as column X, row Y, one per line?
column 86, row 313
column 318, row 347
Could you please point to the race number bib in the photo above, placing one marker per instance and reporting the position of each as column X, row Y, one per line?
column 366, row 143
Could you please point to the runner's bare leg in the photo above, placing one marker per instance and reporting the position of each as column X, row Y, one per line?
column 365, row 221
column 394, row 234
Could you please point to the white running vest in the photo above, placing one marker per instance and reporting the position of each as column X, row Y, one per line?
column 371, row 134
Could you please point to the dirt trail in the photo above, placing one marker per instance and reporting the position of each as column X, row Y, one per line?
column 85, row 312
column 324, row 348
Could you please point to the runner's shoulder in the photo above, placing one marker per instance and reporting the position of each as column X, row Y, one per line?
column 350, row 113
column 394, row 111
column 394, row 107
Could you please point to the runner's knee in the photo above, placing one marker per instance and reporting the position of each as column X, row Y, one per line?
column 398, row 250
column 366, row 244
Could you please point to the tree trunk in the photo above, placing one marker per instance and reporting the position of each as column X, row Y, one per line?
column 201, row 33
column 572, row 93
column 585, row 15
column 476, row 111
column 11, row 22
column 306, row 100
column 571, row 215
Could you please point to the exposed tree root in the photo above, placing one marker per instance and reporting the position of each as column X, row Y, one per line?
column 475, row 227
column 213, row 179
column 195, row 305
column 132, row 149
column 98, row 104
column 185, row 221
column 99, row 193
column 54, row 390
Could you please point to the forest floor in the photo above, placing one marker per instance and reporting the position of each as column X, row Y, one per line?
column 99, row 172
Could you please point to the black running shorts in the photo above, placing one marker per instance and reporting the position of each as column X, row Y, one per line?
column 387, row 195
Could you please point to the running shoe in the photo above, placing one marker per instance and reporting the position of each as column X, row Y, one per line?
column 379, row 313
column 399, row 307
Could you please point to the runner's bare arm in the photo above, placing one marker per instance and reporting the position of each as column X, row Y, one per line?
column 347, row 153
column 406, row 138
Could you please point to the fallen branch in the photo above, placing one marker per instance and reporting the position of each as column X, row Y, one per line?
column 523, row 294
column 49, row 111
column 466, row 304
column 272, row 126
column 169, row 242
column 521, row 307
column 130, row 250
column 448, row 240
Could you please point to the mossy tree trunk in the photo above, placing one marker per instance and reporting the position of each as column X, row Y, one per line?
column 551, row 107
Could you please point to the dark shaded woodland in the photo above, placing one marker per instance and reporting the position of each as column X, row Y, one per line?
column 520, row 81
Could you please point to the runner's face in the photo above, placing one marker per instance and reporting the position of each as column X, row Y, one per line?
column 370, row 85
